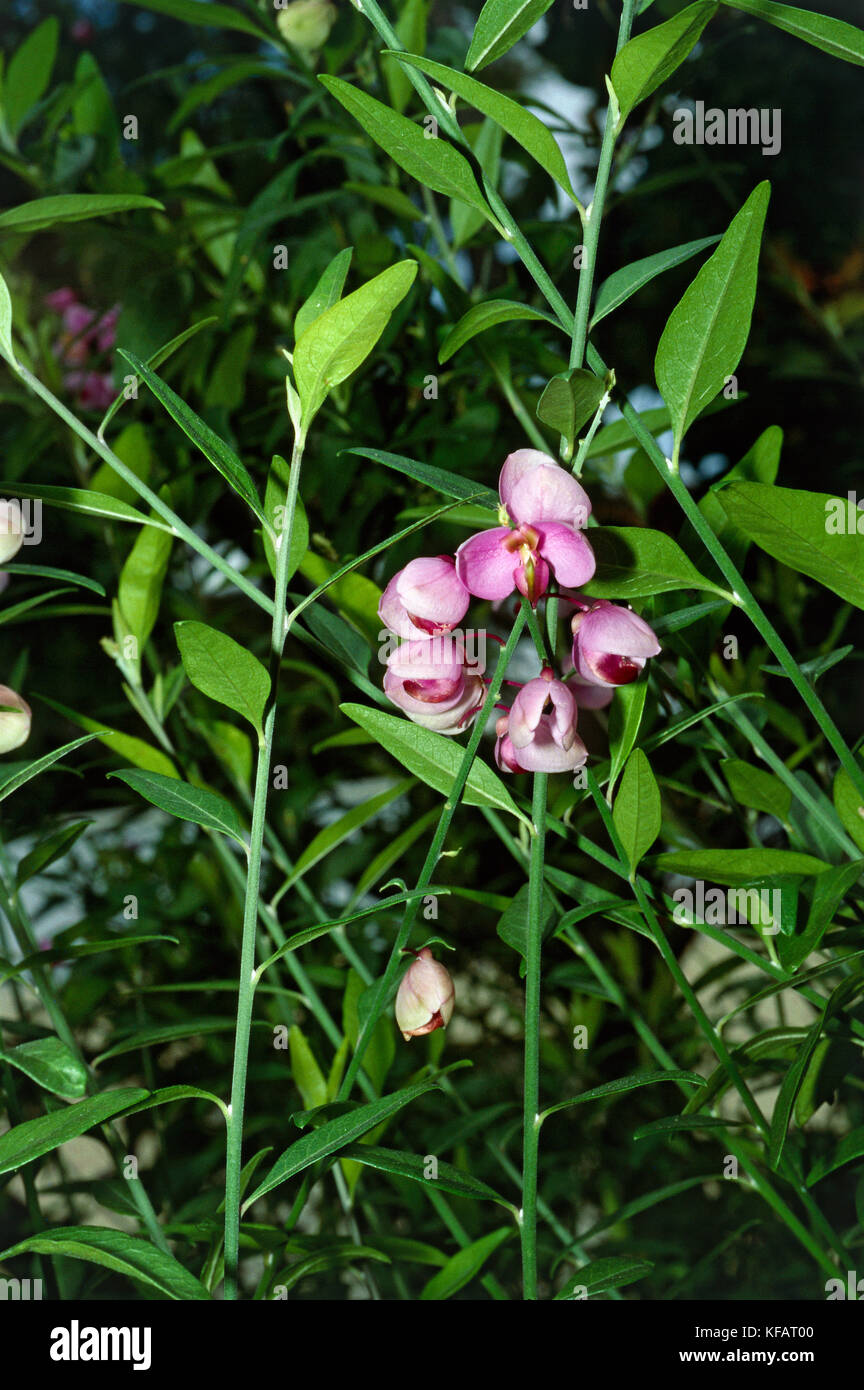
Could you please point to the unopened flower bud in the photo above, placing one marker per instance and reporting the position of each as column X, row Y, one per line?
column 11, row 530
column 14, row 721
column 425, row 998
column 306, row 24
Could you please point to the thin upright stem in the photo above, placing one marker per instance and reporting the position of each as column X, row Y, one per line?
column 246, row 988
column 531, row 1094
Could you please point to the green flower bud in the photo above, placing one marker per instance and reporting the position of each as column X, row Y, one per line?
column 306, row 24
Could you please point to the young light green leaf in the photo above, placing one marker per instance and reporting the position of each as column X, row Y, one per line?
column 342, row 337
column 132, row 1256
column 33, row 1138
column 29, row 73
column 482, row 317
column 833, row 36
column 6, row 334
column 618, row 288
column 223, row 670
column 811, row 532
column 501, row 24
column 325, row 294
column 464, row 1266
column 211, row 446
column 181, row 799
column 849, row 806
column 69, row 207
column 434, row 758
column 139, row 591
column 646, row 61
column 51, row 1064
column 707, row 330
column 522, row 125
column 634, row 561
column 637, row 811
column 432, row 161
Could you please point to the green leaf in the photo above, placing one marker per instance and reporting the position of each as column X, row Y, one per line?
column 29, row 73
column 808, row 531
column 753, row 786
column 414, row 1166
column 26, row 774
column 223, row 670
column 522, row 125
column 467, row 1263
column 626, row 1083
column 307, row 1075
column 482, row 317
column 737, row 867
column 161, row 355
column 69, row 207
column 33, row 1138
column 132, row 1256
column 625, row 717
column 6, row 339
column 570, row 400
column 79, row 499
column 139, row 592
column 160, row 1033
column 441, row 479
column 325, row 294
column 211, row 446
column 850, row 1147
column 637, row 812
column 411, row 29
column 501, row 24
column 513, row 922
column 342, row 337
column 829, row 890
column 707, row 330
column 127, row 746
column 337, row 1134
column 181, row 799
column 340, row 830
column 833, row 36
column 432, row 161
column 39, row 959
column 618, row 288
column 51, row 1064
column 49, row 572
column 202, row 12
column 634, row 561
column 849, row 806
column 602, row 1275
column 434, row 758
column 645, row 62
column 52, row 848
column 275, row 498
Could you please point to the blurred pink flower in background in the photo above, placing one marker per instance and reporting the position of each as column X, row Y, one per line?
column 85, row 338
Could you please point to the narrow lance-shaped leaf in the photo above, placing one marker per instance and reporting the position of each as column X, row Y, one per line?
column 629, row 280
column 637, row 811
column 429, row 159
column 186, row 802
column 707, row 330
column 132, row 1256
column 70, row 207
column 501, row 23
column 646, row 61
column 223, row 670
column 833, row 36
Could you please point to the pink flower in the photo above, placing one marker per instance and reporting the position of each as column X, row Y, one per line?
column 93, row 390
column 547, row 507
column 433, row 683
column 610, row 644
column 425, row 998
column 539, row 733
column 61, row 299
column 426, row 598
column 106, row 329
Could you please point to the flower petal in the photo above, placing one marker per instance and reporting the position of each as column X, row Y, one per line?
column 485, row 566
column 568, row 552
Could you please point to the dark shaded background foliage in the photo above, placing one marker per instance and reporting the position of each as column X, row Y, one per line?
column 802, row 369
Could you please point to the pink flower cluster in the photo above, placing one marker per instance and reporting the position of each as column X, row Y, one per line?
column 85, row 336
column 543, row 513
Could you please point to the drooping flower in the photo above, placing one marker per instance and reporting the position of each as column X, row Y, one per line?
column 425, row 998
column 434, row 684
column 425, row 599
column 610, row 644
column 539, row 733
column 14, row 721
column 11, row 530
column 547, row 508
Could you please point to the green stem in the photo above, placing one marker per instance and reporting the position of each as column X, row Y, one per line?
column 432, row 857
column 531, row 1094
column 246, row 988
